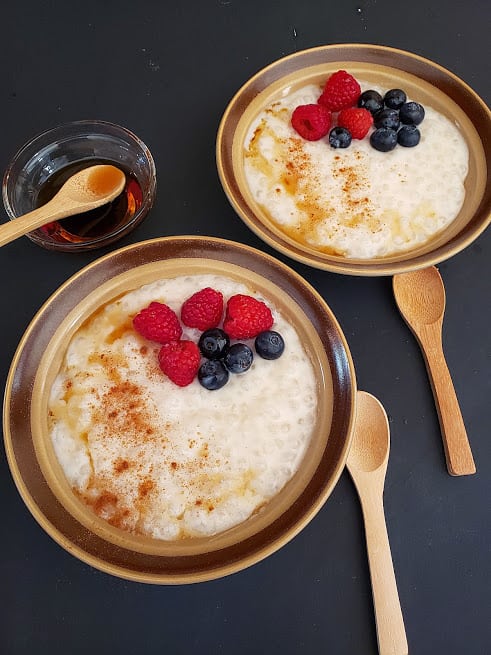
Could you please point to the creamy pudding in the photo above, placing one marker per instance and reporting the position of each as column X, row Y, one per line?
column 355, row 202
column 172, row 462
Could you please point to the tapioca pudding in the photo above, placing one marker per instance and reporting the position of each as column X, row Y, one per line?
column 354, row 202
column 170, row 462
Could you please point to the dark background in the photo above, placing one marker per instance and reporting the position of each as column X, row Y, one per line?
column 167, row 70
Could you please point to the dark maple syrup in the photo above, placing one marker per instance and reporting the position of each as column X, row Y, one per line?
column 96, row 223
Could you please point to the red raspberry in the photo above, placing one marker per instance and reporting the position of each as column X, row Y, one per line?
column 158, row 322
column 357, row 121
column 340, row 91
column 203, row 310
column 246, row 317
column 180, row 361
column 312, row 122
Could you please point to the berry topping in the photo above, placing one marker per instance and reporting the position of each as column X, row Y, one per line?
column 213, row 343
column 203, row 309
column 245, row 317
column 411, row 113
column 339, row 137
column 158, row 322
column 371, row 100
column 340, row 91
column 357, row 121
column 212, row 374
column 383, row 139
column 238, row 358
column 395, row 98
column 269, row 344
column 387, row 118
column 180, row 360
column 408, row 136
column 312, row 122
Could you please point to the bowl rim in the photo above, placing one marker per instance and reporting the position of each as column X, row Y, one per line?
column 106, row 239
column 347, row 52
column 270, row 543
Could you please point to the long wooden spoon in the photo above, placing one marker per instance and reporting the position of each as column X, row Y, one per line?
column 89, row 188
column 367, row 464
column 420, row 296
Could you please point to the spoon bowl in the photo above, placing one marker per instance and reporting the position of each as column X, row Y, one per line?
column 88, row 189
column 370, row 448
column 420, row 297
column 367, row 463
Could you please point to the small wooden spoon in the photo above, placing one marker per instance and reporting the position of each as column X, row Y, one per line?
column 420, row 296
column 89, row 188
column 367, row 464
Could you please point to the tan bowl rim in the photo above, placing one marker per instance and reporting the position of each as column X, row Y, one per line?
column 226, row 568
column 288, row 64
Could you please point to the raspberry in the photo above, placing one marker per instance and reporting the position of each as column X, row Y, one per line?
column 158, row 322
column 180, row 361
column 357, row 121
column 203, row 310
column 312, row 122
column 340, row 91
column 246, row 317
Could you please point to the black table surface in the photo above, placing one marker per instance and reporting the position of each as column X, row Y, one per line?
column 167, row 71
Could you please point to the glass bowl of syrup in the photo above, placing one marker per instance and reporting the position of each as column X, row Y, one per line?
column 42, row 165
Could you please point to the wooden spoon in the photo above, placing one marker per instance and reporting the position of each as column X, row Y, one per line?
column 367, row 464
column 420, row 296
column 89, row 188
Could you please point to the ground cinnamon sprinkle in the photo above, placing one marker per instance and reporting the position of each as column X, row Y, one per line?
column 292, row 171
column 121, row 465
column 145, row 487
column 126, row 411
column 124, row 417
column 301, row 180
column 355, row 185
column 105, row 501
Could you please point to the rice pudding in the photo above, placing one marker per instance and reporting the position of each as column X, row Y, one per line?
column 173, row 462
column 356, row 202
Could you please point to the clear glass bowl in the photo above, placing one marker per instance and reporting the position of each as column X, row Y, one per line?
column 69, row 145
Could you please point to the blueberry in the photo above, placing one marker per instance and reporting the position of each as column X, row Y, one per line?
column 238, row 358
column 395, row 98
column 408, row 136
column 213, row 343
column 212, row 374
column 383, row 139
column 339, row 137
column 269, row 344
column 371, row 100
column 387, row 118
column 411, row 113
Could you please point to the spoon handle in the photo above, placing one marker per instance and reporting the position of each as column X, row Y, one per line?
column 391, row 633
column 31, row 221
column 458, row 452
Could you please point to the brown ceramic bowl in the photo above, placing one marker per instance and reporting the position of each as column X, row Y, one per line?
column 424, row 81
column 40, row 479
